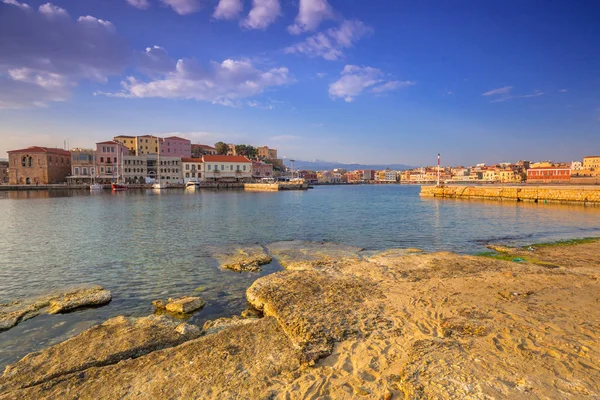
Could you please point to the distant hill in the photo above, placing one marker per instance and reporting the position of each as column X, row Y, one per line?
column 320, row 165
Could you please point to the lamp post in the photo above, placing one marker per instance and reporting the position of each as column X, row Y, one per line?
column 438, row 170
column 292, row 161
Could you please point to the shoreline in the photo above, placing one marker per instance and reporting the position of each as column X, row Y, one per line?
column 393, row 324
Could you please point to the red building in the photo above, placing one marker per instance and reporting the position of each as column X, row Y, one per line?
column 309, row 176
column 548, row 175
column 38, row 165
column 261, row 170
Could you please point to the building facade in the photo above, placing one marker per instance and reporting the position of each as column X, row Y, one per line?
column 193, row 169
column 3, row 172
column 174, row 146
column 38, row 165
column 548, row 175
column 109, row 159
column 266, row 153
column 591, row 163
column 171, row 146
column 261, row 170
column 83, row 166
column 227, row 168
column 147, row 169
column 198, row 150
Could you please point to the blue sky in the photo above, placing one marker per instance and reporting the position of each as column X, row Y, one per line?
column 350, row 81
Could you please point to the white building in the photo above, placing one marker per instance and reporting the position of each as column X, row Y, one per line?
column 193, row 168
column 226, row 168
column 576, row 166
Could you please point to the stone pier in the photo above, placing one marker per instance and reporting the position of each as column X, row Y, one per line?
column 585, row 195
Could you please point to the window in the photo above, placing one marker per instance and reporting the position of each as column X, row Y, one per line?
column 244, row 167
column 76, row 171
column 187, row 174
column 24, row 162
column 231, row 167
column 222, row 167
column 115, row 159
column 187, row 167
column 209, row 167
column 101, row 159
column 85, row 172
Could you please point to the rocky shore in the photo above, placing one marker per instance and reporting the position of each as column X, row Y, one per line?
column 342, row 323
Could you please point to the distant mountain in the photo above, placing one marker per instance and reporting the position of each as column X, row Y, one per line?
column 320, row 165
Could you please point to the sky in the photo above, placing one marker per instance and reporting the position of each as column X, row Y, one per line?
column 376, row 82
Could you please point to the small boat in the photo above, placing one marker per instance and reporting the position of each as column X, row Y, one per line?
column 119, row 187
column 96, row 186
column 160, row 185
column 192, row 185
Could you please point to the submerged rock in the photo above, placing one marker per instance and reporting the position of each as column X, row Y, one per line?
column 299, row 255
column 242, row 259
column 65, row 300
column 117, row 339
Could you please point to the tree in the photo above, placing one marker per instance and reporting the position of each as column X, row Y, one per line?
column 221, row 148
column 246, row 150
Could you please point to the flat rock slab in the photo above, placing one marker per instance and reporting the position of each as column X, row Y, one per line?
column 117, row 339
column 317, row 308
column 242, row 258
column 239, row 363
column 217, row 325
column 298, row 255
column 185, row 305
column 65, row 300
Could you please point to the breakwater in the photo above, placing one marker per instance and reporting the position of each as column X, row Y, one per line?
column 274, row 187
column 584, row 195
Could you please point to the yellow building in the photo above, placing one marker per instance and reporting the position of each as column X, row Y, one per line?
column 508, row 176
column 591, row 163
column 128, row 141
column 265, row 152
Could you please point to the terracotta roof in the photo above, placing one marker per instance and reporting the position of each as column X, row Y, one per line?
column 204, row 146
column 177, row 138
column 192, row 160
column 39, row 149
column 109, row 142
column 591, row 157
column 225, row 159
column 561, row 167
column 125, row 136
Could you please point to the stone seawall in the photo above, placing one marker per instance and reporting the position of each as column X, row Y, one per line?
column 536, row 194
column 274, row 187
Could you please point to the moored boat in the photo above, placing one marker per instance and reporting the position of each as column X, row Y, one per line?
column 192, row 185
column 119, row 187
column 96, row 186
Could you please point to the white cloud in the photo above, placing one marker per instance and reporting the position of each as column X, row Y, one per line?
column 141, row 4
column 331, row 43
column 310, row 15
column 392, row 85
column 51, row 11
column 535, row 93
column 563, row 91
column 154, row 61
column 221, row 83
column 321, row 75
column 503, row 90
column 228, row 9
column 17, row 4
column 355, row 80
column 45, row 54
column 183, row 7
column 284, row 138
column 262, row 14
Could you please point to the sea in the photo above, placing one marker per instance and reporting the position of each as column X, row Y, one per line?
column 146, row 245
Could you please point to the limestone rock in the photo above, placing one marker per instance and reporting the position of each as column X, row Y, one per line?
column 239, row 363
column 65, row 300
column 185, row 305
column 117, row 339
column 220, row 324
column 299, row 255
column 242, row 259
column 188, row 330
column 94, row 296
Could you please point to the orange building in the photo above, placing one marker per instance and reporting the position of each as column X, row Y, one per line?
column 38, row 165
column 548, row 175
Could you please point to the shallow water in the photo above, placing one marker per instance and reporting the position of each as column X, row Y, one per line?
column 144, row 245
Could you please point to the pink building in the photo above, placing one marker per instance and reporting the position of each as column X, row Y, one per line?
column 261, row 170
column 108, row 157
column 174, row 146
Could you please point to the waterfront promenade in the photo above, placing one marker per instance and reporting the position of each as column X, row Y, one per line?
column 572, row 194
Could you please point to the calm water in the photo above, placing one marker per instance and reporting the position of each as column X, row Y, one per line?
column 144, row 245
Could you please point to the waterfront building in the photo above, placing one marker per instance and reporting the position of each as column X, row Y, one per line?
column 172, row 146
column 109, row 156
column 198, row 150
column 38, row 165
column 509, row 176
column 193, row 168
column 490, row 175
column 227, row 168
column 576, row 166
column 368, row 174
column 83, row 166
column 261, row 170
column 3, row 172
column 309, row 176
column 591, row 162
column 145, row 169
column 548, row 175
